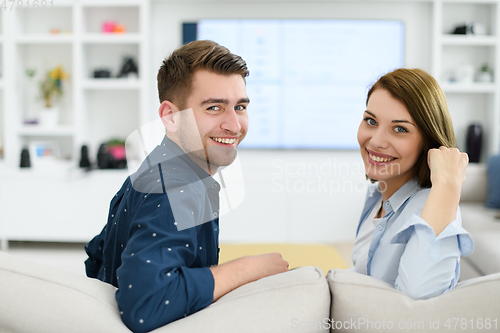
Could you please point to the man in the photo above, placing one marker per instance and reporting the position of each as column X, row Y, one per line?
column 160, row 244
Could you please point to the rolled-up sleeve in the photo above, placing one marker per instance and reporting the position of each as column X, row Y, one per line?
column 430, row 264
column 157, row 281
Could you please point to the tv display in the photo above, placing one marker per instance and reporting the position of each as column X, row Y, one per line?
column 308, row 78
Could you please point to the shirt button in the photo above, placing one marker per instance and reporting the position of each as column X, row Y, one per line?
column 379, row 227
column 370, row 254
column 387, row 204
column 215, row 214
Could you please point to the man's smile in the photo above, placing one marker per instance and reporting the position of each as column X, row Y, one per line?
column 224, row 140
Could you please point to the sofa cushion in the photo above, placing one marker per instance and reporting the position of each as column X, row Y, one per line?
column 286, row 302
column 493, row 182
column 35, row 298
column 480, row 221
column 372, row 305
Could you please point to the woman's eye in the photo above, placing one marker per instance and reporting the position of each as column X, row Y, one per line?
column 400, row 129
column 370, row 121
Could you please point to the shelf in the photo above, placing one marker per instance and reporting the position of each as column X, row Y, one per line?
column 469, row 88
column 34, row 130
column 111, row 84
column 100, row 38
column 100, row 3
column 45, row 39
column 468, row 40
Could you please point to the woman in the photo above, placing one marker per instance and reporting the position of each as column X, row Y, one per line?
column 410, row 232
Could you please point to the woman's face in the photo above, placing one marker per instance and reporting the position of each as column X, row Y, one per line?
column 389, row 140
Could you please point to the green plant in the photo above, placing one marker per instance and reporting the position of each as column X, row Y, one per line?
column 485, row 68
column 51, row 86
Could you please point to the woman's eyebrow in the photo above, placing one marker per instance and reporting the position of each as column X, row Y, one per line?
column 371, row 114
column 403, row 121
column 394, row 121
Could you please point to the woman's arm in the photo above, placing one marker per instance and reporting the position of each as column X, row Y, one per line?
column 429, row 265
column 447, row 176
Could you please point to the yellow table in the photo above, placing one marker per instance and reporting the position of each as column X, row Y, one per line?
column 298, row 255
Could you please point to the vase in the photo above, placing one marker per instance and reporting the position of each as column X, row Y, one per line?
column 49, row 117
column 485, row 77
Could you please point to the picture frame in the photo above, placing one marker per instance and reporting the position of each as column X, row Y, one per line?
column 43, row 153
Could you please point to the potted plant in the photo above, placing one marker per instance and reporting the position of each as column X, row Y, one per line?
column 51, row 89
column 485, row 74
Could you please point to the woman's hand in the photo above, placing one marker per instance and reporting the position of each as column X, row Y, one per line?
column 447, row 167
column 447, row 176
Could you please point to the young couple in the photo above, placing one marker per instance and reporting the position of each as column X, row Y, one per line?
column 160, row 244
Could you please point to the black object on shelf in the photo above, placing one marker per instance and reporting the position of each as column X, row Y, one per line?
column 474, row 142
column 25, row 158
column 129, row 67
column 102, row 73
column 106, row 160
column 84, row 157
column 104, row 157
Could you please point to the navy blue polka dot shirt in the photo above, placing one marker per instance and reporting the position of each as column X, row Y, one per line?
column 161, row 237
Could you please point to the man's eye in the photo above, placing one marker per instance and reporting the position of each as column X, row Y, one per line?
column 240, row 108
column 213, row 108
column 400, row 129
column 370, row 121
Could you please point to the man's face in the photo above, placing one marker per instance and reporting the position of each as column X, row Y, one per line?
column 219, row 119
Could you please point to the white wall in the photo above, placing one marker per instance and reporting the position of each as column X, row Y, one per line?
column 294, row 196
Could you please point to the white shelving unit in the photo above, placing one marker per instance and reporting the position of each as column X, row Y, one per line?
column 92, row 111
column 471, row 102
column 2, row 85
column 86, row 116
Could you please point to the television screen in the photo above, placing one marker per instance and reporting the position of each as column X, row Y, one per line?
column 308, row 78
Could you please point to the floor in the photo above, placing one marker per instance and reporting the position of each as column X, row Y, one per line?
column 71, row 256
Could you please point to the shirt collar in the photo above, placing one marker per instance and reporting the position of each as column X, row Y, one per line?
column 204, row 176
column 400, row 196
column 403, row 193
column 168, row 151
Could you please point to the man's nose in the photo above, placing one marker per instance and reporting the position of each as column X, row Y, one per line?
column 231, row 122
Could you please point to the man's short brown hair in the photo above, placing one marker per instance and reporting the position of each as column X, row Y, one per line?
column 176, row 73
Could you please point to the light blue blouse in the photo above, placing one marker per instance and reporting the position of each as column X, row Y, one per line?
column 404, row 250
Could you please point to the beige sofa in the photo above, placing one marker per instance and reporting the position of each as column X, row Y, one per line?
column 39, row 299
column 35, row 298
column 481, row 223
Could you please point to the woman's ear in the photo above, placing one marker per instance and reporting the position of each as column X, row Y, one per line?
column 166, row 112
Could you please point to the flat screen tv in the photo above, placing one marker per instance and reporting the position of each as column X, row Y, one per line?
column 308, row 78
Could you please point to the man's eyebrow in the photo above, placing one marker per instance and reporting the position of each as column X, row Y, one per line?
column 215, row 101
column 223, row 101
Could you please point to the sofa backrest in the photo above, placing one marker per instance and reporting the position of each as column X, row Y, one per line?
column 475, row 188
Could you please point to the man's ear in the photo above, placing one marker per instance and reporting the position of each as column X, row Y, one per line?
column 166, row 112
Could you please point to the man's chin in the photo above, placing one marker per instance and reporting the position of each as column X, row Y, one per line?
column 221, row 156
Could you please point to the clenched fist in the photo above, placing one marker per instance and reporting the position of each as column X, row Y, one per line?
column 447, row 166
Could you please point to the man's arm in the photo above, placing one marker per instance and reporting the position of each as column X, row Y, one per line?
column 238, row 272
